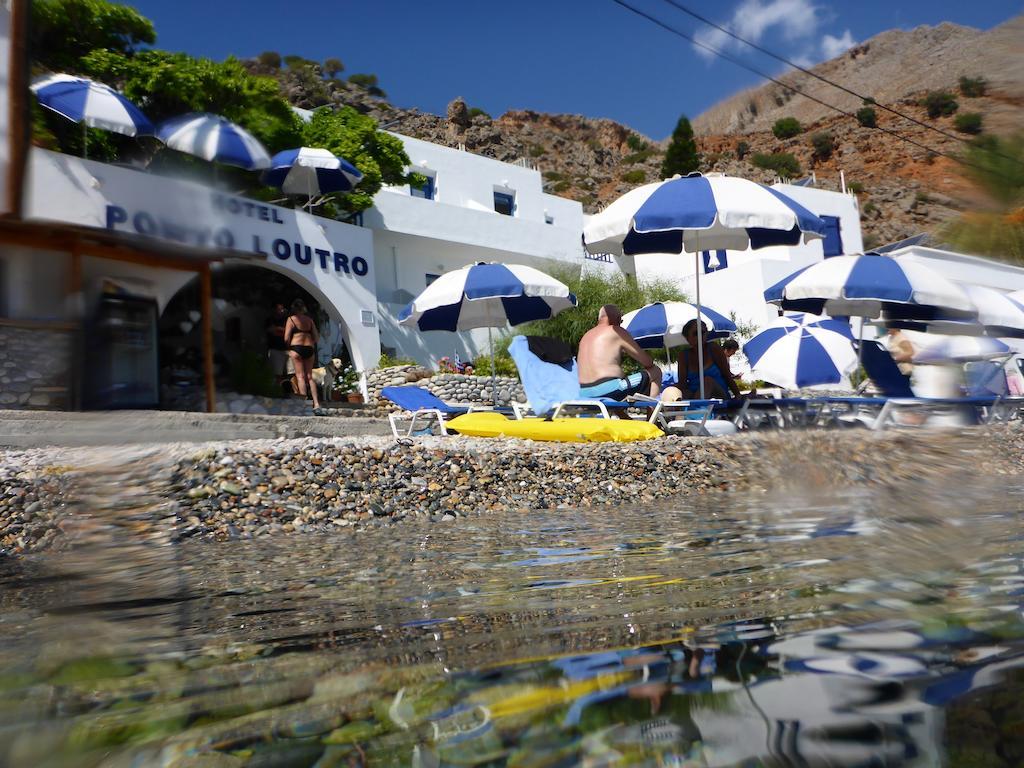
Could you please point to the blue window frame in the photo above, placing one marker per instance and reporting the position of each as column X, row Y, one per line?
column 722, row 261
column 426, row 191
column 833, row 243
column 505, row 203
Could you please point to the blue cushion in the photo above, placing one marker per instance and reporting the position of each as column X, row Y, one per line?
column 413, row 398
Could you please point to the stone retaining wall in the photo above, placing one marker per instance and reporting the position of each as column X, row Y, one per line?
column 35, row 368
column 450, row 387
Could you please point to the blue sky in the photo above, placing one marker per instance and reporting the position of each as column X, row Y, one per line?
column 590, row 57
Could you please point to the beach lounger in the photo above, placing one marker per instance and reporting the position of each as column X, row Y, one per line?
column 422, row 408
column 554, row 390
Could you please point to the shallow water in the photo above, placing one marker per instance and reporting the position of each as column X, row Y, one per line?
column 858, row 629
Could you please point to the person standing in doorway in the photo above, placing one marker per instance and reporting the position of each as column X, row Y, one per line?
column 301, row 336
column 277, row 348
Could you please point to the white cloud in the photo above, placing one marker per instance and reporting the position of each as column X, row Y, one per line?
column 834, row 46
column 752, row 18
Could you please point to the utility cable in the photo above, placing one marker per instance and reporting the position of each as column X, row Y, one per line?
column 841, row 87
column 766, row 76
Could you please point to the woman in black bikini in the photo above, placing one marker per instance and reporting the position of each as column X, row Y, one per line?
column 301, row 336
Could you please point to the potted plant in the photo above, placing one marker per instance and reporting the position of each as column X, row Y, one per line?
column 347, row 383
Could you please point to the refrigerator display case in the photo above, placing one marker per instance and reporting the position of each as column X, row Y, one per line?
column 121, row 359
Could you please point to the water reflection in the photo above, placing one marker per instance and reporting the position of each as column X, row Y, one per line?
column 867, row 629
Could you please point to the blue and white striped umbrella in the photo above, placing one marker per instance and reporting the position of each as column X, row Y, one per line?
column 91, row 103
column 661, row 324
column 865, row 285
column 999, row 315
column 214, row 138
column 939, row 349
column 311, row 171
column 802, row 351
column 698, row 213
column 487, row 296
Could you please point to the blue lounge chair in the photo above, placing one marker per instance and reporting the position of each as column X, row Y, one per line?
column 422, row 407
column 553, row 389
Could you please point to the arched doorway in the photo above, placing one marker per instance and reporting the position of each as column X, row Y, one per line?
column 243, row 297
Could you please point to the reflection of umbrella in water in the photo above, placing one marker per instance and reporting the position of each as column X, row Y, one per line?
column 700, row 213
column 487, row 296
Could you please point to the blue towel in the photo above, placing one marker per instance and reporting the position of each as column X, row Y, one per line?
column 546, row 384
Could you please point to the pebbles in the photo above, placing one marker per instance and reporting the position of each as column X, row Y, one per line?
column 249, row 488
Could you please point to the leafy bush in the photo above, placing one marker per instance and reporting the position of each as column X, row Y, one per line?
column 634, row 177
column 562, row 185
column 252, row 374
column 537, row 151
column 592, row 291
column 503, row 364
column 866, row 117
column 635, row 143
column 939, row 103
column 553, row 176
column 386, row 361
column 476, row 112
column 968, row 122
column 823, row 144
column 787, row 128
column 742, row 148
column 782, row 163
column 973, row 87
column 855, row 186
column 639, row 157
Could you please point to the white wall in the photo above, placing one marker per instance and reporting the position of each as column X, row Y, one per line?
column 414, row 237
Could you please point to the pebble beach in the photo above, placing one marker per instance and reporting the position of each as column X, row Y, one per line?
column 53, row 498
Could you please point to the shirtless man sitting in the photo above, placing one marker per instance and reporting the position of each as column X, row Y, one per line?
column 600, row 360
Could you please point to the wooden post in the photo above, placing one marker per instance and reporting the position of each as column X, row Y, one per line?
column 206, row 301
column 20, row 123
column 76, row 307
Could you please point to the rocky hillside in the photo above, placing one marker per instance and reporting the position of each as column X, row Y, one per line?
column 903, row 189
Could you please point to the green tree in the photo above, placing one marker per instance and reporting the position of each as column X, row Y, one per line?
column 332, row 67
column 63, row 31
column 298, row 62
column 681, row 155
column 379, row 156
column 369, row 82
column 866, row 117
column 270, row 59
column 168, row 84
column 742, row 149
column 786, row 128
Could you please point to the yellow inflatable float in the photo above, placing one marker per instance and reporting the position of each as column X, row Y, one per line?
column 575, row 430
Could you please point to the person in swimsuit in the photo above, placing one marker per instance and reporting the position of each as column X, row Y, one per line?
column 600, row 360
column 301, row 336
column 718, row 378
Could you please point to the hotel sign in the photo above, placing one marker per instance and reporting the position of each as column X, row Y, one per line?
column 87, row 193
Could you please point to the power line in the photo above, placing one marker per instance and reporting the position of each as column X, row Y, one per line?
column 766, row 76
column 816, row 76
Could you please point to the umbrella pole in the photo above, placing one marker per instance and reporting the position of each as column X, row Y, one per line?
column 700, row 325
column 494, row 373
